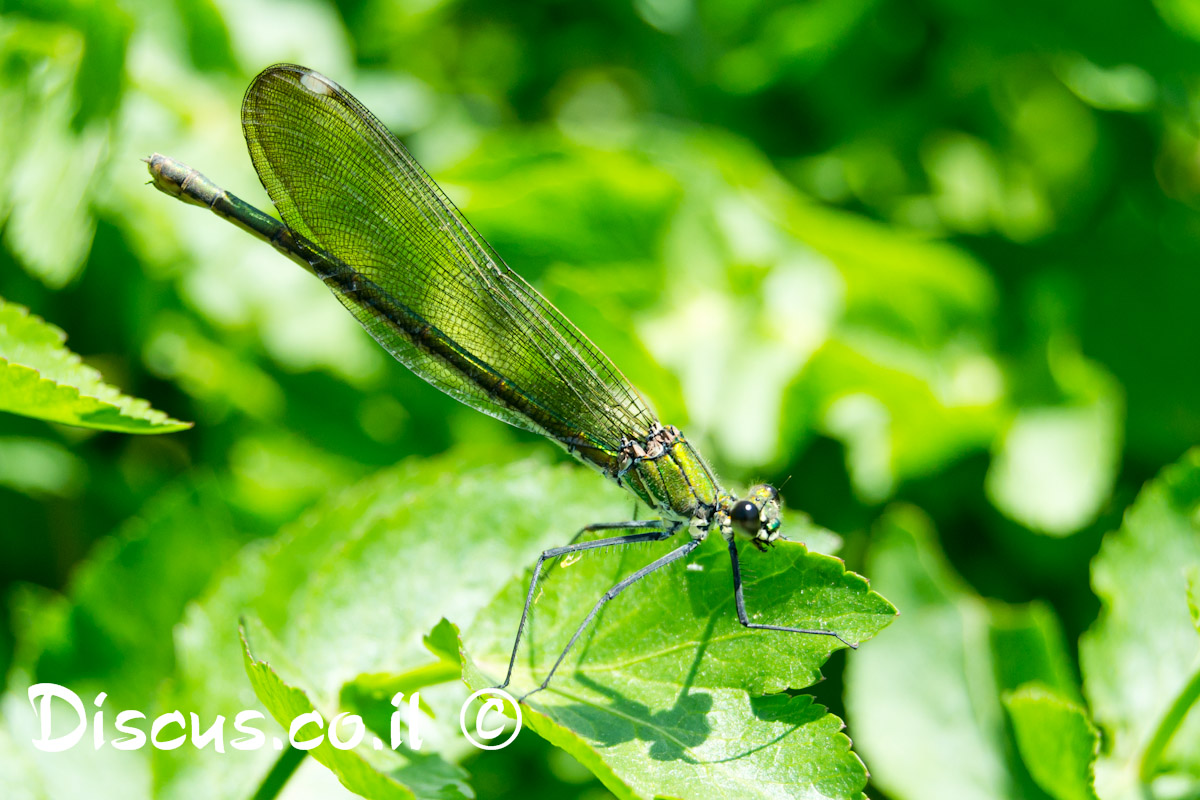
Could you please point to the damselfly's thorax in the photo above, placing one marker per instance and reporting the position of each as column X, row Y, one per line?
column 656, row 444
column 667, row 473
column 664, row 471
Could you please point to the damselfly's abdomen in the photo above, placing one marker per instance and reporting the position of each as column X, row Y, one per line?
column 667, row 473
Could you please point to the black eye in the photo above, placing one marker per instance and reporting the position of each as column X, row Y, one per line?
column 744, row 515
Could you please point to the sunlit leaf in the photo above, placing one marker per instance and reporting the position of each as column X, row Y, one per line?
column 1058, row 742
column 662, row 696
column 1055, row 466
column 380, row 774
column 340, row 618
column 924, row 702
column 901, row 413
column 776, row 296
column 608, row 206
column 1139, row 658
column 39, row 467
column 81, row 771
column 351, row 590
column 41, row 378
column 64, row 66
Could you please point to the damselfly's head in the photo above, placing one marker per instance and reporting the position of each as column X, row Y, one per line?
column 754, row 517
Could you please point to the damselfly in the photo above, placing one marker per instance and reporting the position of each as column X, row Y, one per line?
column 363, row 216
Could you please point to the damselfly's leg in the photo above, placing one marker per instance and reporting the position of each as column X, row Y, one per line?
column 654, row 530
column 634, row 524
column 741, row 606
column 674, row 555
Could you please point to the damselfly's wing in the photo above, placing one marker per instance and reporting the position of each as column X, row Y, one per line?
column 341, row 179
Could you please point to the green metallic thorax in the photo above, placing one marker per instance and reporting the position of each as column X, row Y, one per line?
column 671, row 477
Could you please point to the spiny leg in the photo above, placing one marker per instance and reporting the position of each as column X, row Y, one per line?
column 618, row 526
column 741, row 605
column 657, row 530
column 674, row 555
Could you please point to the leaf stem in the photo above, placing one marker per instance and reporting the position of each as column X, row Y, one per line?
column 278, row 777
column 1167, row 727
column 429, row 675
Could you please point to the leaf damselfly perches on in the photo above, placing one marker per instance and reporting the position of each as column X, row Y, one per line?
column 363, row 216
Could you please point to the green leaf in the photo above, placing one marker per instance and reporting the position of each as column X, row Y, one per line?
column 111, row 632
column 351, row 590
column 125, row 599
column 378, row 774
column 27, row 773
column 1057, row 741
column 659, row 697
column 207, row 36
column 210, row 679
column 41, row 378
column 1028, row 646
column 1055, row 466
column 218, row 377
column 106, row 28
column 590, row 192
column 1139, row 657
column 924, row 703
column 48, row 90
column 365, row 576
column 897, row 422
column 39, row 467
column 905, row 286
column 443, row 641
column 872, row 336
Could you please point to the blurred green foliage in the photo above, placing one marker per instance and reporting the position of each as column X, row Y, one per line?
column 40, row 378
column 937, row 256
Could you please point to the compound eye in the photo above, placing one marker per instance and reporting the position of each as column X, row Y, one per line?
column 744, row 516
